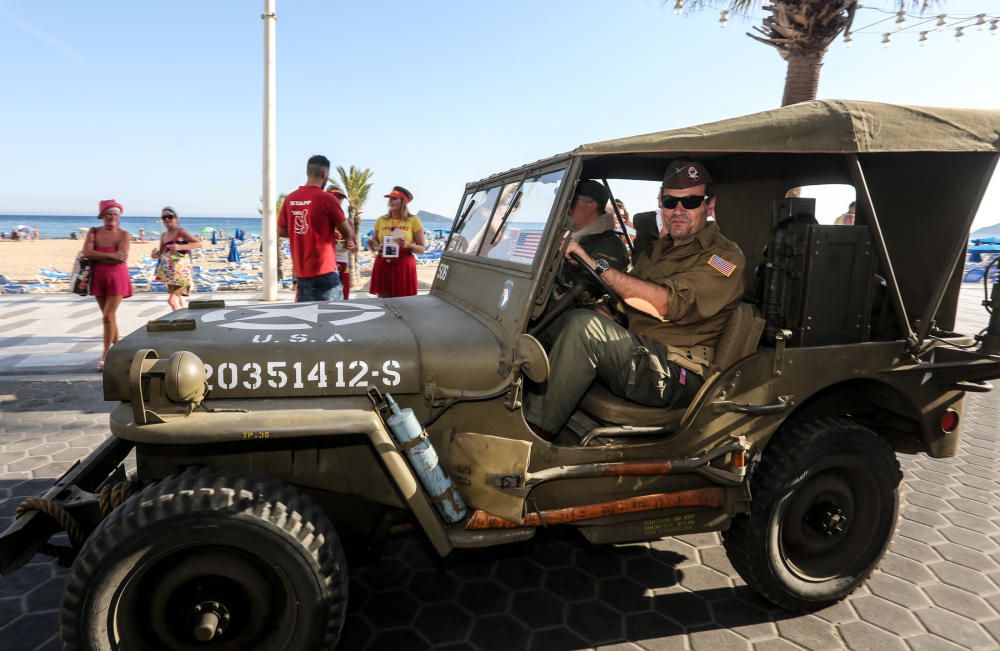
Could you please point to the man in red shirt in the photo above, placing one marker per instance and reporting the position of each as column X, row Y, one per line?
column 309, row 218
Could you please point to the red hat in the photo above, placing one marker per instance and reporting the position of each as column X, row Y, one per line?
column 400, row 192
column 108, row 204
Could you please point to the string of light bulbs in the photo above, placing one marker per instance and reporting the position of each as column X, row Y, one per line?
column 959, row 22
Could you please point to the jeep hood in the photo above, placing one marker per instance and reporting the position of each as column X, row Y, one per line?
column 317, row 349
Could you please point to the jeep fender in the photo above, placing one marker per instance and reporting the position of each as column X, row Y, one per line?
column 233, row 420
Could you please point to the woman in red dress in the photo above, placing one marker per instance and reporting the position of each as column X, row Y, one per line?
column 107, row 249
column 395, row 270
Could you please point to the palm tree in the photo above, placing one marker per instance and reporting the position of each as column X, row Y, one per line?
column 802, row 31
column 356, row 184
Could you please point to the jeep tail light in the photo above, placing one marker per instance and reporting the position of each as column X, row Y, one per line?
column 949, row 421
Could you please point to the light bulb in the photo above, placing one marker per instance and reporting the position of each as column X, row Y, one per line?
column 980, row 21
column 678, row 7
column 848, row 39
column 923, row 39
column 885, row 39
column 941, row 22
column 724, row 18
column 900, row 18
column 958, row 34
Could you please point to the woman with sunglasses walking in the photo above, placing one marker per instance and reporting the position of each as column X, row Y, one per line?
column 174, row 268
column 107, row 248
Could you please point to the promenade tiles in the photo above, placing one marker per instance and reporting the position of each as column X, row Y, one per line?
column 63, row 332
column 936, row 589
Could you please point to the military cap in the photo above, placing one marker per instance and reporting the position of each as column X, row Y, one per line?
column 683, row 174
column 593, row 189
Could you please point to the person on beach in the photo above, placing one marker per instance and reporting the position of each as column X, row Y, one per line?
column 107, row 249
column 174, row 268
column 343, row 255
column 398, row 236
column 309, row 217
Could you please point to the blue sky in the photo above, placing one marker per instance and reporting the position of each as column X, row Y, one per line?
column 159, row 102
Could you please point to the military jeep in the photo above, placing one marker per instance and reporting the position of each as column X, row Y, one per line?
column 262, row 434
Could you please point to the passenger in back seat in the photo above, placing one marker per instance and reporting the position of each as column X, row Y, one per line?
column 680, row 294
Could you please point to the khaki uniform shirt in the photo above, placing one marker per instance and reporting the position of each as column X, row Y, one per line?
column 701, row 294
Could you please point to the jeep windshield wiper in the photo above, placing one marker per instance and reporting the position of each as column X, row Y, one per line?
column 506, row 214
column 465, row 215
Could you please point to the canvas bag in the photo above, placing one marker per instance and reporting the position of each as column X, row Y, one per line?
column 79, row 282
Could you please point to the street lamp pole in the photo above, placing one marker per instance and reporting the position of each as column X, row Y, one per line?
column 269, row 222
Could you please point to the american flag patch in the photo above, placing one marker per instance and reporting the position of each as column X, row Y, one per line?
column 723, row 266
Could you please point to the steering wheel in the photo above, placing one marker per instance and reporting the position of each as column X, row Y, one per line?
column 598, row 280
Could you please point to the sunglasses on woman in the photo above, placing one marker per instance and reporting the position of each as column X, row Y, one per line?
column 689, row 203
column 168, row 217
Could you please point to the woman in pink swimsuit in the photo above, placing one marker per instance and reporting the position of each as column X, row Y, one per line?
column 107, row 249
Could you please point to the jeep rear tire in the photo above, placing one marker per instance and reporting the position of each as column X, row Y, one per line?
column 824, row 506
column 209, row 560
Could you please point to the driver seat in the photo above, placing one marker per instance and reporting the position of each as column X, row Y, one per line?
column 739, row 339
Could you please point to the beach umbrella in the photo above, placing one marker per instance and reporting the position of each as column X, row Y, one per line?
column 214, row 239
column 207, row 230
column 234, row 253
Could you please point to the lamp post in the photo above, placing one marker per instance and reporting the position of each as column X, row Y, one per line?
column 268, row 219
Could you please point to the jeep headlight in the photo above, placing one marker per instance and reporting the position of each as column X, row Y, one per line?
column 184, row 378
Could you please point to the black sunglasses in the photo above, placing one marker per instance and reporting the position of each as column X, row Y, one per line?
column 166, row 217
column 690, row 203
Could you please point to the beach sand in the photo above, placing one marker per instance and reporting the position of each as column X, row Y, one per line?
column 20, row 261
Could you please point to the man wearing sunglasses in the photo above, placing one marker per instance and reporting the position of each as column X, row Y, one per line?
column 680, row 293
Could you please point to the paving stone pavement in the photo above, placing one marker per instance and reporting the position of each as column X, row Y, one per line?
column 937, row 588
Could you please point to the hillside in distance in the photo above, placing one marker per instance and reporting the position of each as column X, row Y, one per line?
column 432, row 220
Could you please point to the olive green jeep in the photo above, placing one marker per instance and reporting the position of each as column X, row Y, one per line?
column 264, row 433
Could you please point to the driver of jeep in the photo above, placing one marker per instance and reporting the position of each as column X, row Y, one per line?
column 680, row 294
column 594, row 229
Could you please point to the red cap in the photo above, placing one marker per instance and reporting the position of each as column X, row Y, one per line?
column 400, row 192
column 108, row 204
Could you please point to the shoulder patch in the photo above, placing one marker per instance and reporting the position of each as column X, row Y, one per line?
column 723, row 266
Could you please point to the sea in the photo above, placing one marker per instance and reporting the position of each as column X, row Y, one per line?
column 62, row 226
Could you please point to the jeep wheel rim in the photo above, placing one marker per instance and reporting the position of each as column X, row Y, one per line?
column 823, row 533
column 204, row 597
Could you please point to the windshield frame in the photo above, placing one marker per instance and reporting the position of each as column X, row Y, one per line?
column 518, row 176
column 525, row 280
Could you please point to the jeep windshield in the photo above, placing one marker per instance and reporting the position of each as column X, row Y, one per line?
column 507, row 221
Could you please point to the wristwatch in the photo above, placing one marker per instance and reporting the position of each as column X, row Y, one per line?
column 602, row 266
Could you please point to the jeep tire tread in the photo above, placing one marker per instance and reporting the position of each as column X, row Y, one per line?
column 256, row 553
column 824, row 507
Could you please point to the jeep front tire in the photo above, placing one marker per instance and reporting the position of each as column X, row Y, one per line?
column 209, row 560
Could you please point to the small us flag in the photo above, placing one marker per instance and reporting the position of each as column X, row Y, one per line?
column 526, row 244
column 723, row 266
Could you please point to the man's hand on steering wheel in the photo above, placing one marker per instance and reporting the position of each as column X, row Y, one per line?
column 588, row 266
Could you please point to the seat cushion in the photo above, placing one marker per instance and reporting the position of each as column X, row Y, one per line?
column 605, row 406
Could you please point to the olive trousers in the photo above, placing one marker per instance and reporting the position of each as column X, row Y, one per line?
column 589, row 346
